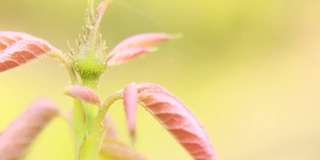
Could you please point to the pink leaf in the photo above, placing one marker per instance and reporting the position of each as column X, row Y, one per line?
column 85, row 94
column 18, row 48
column 130, row 100
column 127, row 54
column 177, row 119
column 100, row 11
column 142, row 41
column 19, row 135
column 7, row 38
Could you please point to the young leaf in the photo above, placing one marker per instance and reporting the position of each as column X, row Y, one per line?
column 7, row 38
column 19, row 48
column 127, row 54
column 134, row 46
column 177, row 119
column 100, row 11
column 85, row 94
column 15, row 140
column 130, row 101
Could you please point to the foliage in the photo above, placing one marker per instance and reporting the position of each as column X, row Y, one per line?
column 93, row 135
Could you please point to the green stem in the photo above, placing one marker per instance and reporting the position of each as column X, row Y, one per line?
column 91, row 145
column 83, row 117
column 78, row 125
column 90, row 110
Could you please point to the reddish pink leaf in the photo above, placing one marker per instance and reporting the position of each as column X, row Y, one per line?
column 7, row 38
column 130, row 100
column 177, row 119
column 84, row 94
column 19, row 135
column 18, row 48
column 142, row 41
column 127, row 54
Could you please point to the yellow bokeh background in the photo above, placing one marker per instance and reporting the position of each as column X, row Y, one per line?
column 249, row 70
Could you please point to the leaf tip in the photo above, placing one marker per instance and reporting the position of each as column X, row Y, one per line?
column 175, row 36
column 84, row 94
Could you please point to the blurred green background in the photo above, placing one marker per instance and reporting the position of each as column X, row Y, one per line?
column 249, row 70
